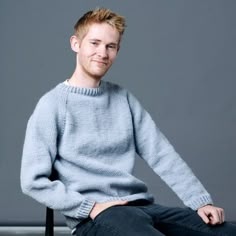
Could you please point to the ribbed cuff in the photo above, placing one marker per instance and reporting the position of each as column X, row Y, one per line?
column 85, row 208
column 199, row 202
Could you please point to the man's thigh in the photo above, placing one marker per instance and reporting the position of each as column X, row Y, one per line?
column 174, row 221
column 119, row 221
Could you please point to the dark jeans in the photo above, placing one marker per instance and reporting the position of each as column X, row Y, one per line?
column 141, row 219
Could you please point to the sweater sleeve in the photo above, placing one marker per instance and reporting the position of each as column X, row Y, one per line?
column 39, row 153
column 155, row 149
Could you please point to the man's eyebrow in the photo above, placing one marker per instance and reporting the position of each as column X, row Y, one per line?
column 98, row 40
column 112, row 43
column 92, row 39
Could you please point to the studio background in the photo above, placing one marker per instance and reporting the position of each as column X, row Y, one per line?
column 177, row 57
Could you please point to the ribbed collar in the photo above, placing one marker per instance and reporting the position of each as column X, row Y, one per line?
column 84, row 91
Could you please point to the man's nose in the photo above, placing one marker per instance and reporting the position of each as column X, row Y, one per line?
column 102, row 51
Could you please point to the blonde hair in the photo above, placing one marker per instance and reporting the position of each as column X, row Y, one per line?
column 99, row 15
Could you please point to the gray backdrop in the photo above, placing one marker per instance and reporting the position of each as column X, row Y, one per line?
column 177, row 57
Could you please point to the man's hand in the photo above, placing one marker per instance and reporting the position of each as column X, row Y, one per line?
column 211, row 214
column 99, row 207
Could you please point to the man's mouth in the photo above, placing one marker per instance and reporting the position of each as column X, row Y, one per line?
column 100, row 62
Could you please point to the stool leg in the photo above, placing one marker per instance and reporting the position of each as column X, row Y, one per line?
column 49, row 222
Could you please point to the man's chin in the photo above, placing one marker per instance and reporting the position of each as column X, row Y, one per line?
column 100, row 74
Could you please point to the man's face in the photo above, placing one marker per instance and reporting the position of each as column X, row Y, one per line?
column 98, row 50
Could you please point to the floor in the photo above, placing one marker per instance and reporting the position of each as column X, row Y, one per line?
column 33, row 231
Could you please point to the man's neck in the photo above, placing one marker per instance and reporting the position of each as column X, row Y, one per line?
column 83, row 82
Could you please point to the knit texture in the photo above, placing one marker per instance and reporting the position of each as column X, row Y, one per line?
column 91, row 136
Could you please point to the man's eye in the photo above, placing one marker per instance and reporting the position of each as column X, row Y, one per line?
column 112, row 46
column 94, row 43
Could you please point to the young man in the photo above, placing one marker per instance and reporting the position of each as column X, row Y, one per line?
column 89, row 131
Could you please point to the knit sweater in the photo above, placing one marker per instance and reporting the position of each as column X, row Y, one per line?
column 92, row 136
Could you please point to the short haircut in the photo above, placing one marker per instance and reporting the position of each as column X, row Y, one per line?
column 99, row 15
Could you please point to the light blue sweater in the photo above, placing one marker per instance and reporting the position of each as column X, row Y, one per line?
column 91, row 136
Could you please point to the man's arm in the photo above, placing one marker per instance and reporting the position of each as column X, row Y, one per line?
column 156, row 150
column 39, row 153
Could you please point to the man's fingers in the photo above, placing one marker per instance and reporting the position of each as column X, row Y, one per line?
column 211, row 215
column 123, row 202
column 223, row 215
column 99, row 207
column 114, row 203
column 204, row 216
column 217, row 216
column 214, row 218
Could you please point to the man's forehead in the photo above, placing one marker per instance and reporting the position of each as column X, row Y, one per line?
column 100, row 30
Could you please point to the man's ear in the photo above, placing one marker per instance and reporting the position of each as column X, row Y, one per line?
column 74, row 43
